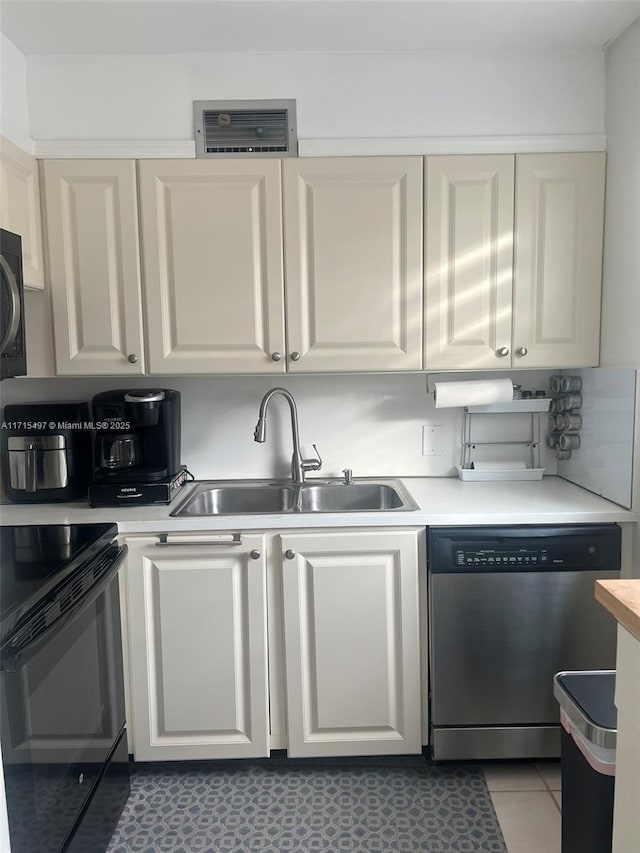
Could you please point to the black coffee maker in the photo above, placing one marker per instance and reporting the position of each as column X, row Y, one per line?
column 136, row 448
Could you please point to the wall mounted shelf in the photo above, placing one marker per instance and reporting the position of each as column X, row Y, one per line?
column 534, row 407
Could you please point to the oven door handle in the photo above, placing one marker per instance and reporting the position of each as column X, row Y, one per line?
column 12, row 658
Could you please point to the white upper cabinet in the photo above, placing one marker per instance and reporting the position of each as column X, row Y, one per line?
column 468, row 261
column 353, row 260
column 558, row 259
column 316, row 264
column 513, row 283
column 20, row 208
column 94, row 269
column 212, row 258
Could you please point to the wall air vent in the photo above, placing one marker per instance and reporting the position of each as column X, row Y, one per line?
column 245, row 128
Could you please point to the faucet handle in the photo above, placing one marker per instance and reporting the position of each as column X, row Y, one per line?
column 312, row 464
column 348, row 476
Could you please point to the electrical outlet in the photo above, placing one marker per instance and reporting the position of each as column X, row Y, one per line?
column 432, row 440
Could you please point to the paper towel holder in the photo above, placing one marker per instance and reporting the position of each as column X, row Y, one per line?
column 431, row 379
column 430, row 390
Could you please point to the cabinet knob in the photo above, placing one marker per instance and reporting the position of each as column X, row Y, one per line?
column 276, row 356
column 295, row 356
column 289, row 554
column 522, row 351
column 502, row 352
column 132, row 358
column 255, row 555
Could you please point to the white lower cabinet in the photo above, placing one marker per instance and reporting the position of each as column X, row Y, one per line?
column 626, row 817
column 352, row 648
column 197, row 641
column 344, row 644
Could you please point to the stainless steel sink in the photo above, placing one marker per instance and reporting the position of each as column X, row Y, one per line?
column 229, row 500
column 355, row 497
column 254, row 498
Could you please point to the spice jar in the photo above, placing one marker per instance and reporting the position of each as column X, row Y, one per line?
column 569, row 441
column 571, row 384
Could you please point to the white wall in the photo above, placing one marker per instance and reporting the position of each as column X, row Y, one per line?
column 620, row 344
column 14, row 118
column 620, row 338
column 435, row 93
column 370, row 423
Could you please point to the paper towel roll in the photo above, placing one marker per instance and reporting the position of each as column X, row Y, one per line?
column 502, row 465
column 477, row 392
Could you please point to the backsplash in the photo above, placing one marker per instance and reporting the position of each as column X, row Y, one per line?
column 604, row 462
column 371, row 423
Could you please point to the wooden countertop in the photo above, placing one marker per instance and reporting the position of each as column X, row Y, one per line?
column 622, row 599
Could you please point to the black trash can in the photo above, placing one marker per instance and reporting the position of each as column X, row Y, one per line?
column 588, row 758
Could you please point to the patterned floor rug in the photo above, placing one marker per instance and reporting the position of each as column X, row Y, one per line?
column 281, row 806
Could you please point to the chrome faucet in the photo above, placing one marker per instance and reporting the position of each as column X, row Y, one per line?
column 298, row 464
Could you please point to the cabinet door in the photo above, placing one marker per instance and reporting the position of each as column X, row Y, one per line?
column 20, row 208
column 197, row 646
column 92, row 234
column 212, row 258
column 352, row 643
column 468, row 261
column 353, row 260
column 558, row 259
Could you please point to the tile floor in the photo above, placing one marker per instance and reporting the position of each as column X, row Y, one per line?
column 527, row 800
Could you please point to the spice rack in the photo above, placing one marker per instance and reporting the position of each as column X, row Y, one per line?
column 535, row 408
column 565, row 420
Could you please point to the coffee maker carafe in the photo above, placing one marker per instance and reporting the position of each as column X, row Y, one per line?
column 136, row 447
column 118, row 452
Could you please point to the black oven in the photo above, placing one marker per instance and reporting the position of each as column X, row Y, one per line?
column 13, row 350
column 64, row 748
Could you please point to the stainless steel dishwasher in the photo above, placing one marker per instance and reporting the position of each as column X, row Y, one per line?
column 508, row 608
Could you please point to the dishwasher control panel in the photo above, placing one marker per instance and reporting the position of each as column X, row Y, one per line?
column 492, row 557
column 524, row 548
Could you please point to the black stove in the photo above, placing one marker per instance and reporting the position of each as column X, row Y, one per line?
column 36, row 560
column 62, row 716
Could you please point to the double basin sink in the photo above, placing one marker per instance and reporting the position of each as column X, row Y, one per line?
column 252, row 498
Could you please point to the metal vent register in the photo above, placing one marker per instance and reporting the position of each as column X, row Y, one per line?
column 245, row 128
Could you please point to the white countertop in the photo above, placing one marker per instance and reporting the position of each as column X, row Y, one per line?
column 442, row 501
